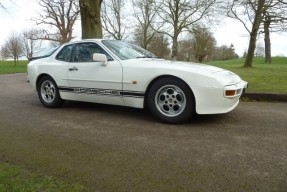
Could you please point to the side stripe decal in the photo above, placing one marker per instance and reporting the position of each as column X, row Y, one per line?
column 98, row 91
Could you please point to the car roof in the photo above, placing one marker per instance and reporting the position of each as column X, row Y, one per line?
column 85, row 40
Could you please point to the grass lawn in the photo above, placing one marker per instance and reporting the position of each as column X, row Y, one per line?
column 14, row 178
column 7, row 67
column 267, row 78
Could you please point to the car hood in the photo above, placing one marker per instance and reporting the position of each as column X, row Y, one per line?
column 185, row 66
column 222, row 75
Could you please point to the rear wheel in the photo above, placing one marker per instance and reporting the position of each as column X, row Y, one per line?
column 48, row 93
column 171, row 100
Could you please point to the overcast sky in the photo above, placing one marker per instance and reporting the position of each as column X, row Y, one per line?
column 18, row 14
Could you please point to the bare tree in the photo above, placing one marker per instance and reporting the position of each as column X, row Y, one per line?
column 91, row 18
column 3, row 6
column 224, row 52
column 178, row 15
column 258, row 9
column 274, row 20
column 3, row 53
column 60, row 17
column 202, row 42
column 250, row 14
column 185, row 50
column 159, row 46
column 145, row 13
column 30, row 42
column 198, row 48
column 14, row 47
column 113, row 18
column 270, row 14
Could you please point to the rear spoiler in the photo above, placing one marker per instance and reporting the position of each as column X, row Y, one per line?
column 35, row 58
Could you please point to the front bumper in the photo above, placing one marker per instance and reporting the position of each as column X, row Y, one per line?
column 215, row 101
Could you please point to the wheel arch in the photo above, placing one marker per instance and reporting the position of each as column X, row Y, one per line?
column 161, row 77
column 40, row 77
column 52, row 98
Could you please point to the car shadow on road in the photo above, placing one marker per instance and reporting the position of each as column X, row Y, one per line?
column 143, row 115
column 120, row 111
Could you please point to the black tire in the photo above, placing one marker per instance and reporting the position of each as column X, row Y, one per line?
column 171, row 100
column 48, row 93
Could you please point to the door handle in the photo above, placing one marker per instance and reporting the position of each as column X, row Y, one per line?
column 73, row 69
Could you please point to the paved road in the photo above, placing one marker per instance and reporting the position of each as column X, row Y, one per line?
column 108, row 148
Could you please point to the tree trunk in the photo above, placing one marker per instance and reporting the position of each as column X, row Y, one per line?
column 267, row 41
column 145, row 37
column 174, row 48
column 91, row 19
column 253, row 34
column 251, row 50
column 174, row 51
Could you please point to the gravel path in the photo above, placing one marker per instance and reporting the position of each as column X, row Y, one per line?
column 110, row 148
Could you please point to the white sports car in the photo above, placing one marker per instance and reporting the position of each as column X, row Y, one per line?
column 119, row 73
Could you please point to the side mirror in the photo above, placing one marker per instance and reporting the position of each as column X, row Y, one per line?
column 100, row 58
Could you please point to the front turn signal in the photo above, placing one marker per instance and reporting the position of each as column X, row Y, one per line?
column 230, row 93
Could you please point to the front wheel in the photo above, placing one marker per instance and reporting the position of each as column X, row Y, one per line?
column 171, row 100
column 48, row 93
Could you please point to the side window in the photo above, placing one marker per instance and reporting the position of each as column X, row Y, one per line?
column 65, row 53
column 84, row 52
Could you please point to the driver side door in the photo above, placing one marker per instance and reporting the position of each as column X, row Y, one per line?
column 92, row 81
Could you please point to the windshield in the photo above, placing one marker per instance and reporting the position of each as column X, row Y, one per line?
column 126, row 50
